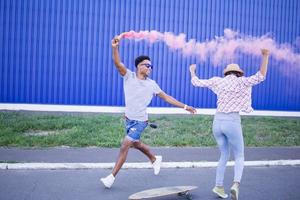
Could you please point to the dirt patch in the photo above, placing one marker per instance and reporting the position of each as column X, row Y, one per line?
column 45, row 133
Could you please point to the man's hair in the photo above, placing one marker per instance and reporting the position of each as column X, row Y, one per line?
column 140, row 59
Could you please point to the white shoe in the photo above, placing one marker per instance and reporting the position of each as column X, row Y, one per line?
column 108, row 181
column 234, row 192
column 156, row 165
column 220, row 192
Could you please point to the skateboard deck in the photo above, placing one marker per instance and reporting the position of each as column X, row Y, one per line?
column 163, row 191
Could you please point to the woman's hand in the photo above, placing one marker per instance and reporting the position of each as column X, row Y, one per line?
column 265, row 52
column 193, row 69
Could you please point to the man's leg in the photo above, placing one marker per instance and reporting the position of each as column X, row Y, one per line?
column 145, row 150
column 126, row 144
column 109, row 180
column 156, row 160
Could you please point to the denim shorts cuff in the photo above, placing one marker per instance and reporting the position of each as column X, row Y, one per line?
column 131, row 139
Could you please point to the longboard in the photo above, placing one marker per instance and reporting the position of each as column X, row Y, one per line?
column 164, row 191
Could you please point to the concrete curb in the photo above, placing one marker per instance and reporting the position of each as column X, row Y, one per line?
column 140, row 165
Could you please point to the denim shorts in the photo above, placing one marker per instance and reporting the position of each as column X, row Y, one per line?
column 134, row 129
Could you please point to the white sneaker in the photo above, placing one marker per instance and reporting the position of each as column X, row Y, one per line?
column 220, row 192
column 234, row 192
column 108, row 181
column 156, row 164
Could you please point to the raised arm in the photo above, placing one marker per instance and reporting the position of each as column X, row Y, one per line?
column 174, row 102
column 116, row 57
column 265, row 60
column 193, row 70
column 210, row 83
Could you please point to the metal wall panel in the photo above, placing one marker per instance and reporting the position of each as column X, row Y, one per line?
column 58, row 52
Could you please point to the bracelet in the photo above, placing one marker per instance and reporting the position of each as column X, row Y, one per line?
column 185, row 107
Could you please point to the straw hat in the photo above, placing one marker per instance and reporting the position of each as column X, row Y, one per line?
column 233, row 68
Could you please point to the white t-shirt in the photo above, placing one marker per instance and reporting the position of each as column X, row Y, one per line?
column 138, row 95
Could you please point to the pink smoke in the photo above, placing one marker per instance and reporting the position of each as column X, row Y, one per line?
column 220, row 48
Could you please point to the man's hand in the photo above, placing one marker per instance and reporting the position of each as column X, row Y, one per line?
column 191, row 109
column 265, row 52
column 115, row 42
column 174, row 102
column 116, row 57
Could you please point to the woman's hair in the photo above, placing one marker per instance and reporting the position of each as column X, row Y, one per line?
column 237, row 74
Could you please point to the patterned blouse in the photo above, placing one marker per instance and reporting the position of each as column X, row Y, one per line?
column 233, row 93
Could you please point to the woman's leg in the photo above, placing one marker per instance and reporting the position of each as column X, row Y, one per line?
column 222, row 142
column 234, row 134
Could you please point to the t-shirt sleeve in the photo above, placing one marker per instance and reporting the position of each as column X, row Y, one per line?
column 156, row 88
column 127, row 75
column 209, row 83
column 254, row 79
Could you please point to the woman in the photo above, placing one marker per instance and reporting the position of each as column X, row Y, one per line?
column 234, row 95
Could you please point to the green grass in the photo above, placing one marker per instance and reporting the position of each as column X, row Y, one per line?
column 106, row 130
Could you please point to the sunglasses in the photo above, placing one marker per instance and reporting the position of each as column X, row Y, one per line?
column 148, row 65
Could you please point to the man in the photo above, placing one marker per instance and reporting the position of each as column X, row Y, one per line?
column 139, row 91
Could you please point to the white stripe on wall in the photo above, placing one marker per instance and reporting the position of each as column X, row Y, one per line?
column 113, row 109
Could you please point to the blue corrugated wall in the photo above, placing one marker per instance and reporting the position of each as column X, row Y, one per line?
column 58, row 51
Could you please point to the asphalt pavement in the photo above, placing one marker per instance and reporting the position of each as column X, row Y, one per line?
column 173, row 154
column 258, row 183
